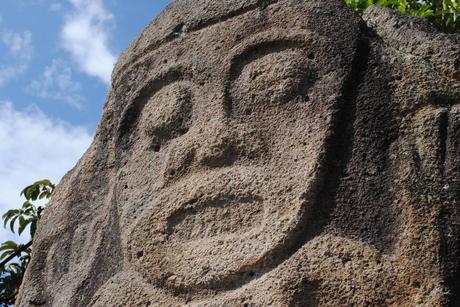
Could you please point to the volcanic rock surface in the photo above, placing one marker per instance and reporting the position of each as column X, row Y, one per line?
column 265, row 153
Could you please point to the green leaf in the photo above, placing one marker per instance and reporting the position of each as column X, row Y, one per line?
column 12, row 223
column 427, row 13
column 29, row 212
column 22, row 224
column 6, row 254
column 8, row 245
column 26, row 205
column 34, row 193
column 26, row 191
column 44, row 194
column 7, row 216
column 402, row 7
column 44, row 182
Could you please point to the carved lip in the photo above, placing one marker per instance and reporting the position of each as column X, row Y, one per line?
column 223, row 205
column 220, row 216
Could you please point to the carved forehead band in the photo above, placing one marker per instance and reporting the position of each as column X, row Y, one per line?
column 181, row 28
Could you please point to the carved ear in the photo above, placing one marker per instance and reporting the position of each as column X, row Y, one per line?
column 79, row 230
column 424, row 78
column 422, row 158
column 435, row 134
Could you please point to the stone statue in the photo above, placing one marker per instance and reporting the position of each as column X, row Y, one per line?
column 265, row 153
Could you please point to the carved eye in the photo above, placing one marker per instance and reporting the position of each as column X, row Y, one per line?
column 167, row 114
column 273, row 79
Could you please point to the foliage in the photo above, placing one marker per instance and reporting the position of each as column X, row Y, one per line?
column 444, row 14
column 10, row 279
column 28, row 215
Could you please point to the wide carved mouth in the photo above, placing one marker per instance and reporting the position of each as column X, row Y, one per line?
column 215, row 229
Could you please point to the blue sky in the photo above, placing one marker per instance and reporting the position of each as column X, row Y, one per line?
column 55, row 63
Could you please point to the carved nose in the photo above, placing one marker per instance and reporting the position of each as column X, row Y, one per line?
column 216, row 147
column 180, row 161
column 208, row 147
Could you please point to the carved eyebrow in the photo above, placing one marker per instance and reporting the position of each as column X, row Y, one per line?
column 259, row 50
column 134, row 108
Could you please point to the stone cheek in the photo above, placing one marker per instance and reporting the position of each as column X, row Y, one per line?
column 270, row 155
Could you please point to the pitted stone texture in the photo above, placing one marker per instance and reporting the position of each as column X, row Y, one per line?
column 265, row 153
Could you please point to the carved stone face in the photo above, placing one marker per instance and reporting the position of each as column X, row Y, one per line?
column 223, row 149
column 269, row 153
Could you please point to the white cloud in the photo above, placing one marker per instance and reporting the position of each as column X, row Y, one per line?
column 33, row 147
column 19, row 55
column 9, row 72
column 85, row 35
column 19, row 44
column 55, row 7
column 57, row 83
